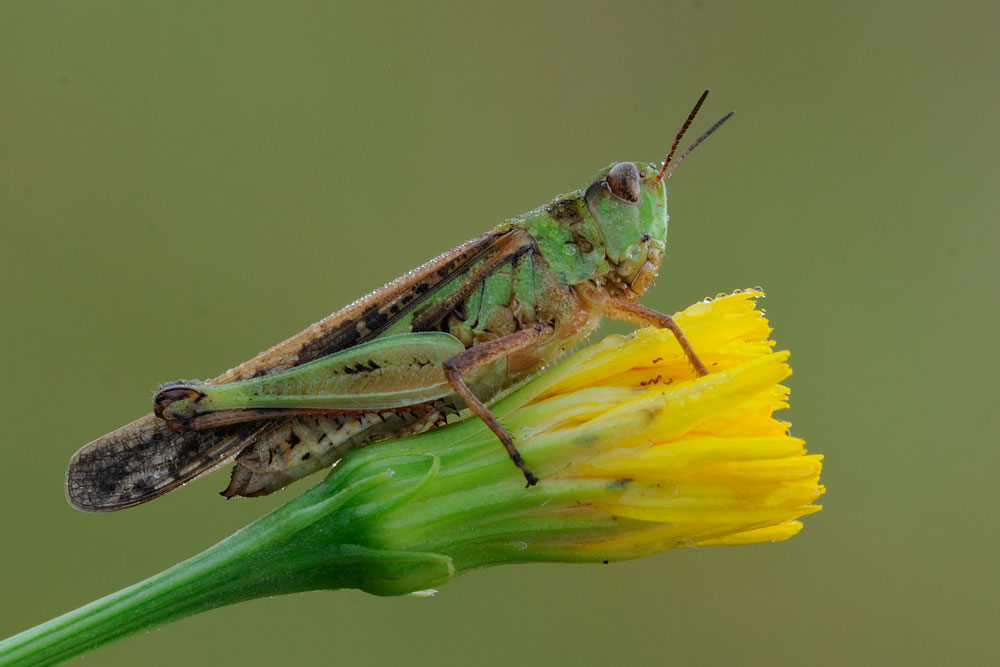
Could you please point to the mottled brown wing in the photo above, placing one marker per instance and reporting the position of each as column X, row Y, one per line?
column 145, row 459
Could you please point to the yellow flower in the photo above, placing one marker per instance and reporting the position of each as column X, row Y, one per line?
column 634, row 452
column 688, row 461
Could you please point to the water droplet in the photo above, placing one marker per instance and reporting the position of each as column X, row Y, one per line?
column 429, row 593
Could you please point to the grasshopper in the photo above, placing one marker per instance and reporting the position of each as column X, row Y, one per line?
column 450, row 335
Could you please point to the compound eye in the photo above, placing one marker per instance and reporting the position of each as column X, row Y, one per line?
column 624, row 182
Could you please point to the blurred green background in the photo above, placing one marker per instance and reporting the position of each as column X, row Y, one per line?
column 184, row 184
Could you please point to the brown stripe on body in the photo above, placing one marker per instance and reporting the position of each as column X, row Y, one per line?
column 431, row 317
column 369, row 316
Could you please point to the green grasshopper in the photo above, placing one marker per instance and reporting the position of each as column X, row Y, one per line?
column 450, row 335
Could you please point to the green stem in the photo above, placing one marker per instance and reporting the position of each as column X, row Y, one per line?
column 265, row 558
column 358, row 528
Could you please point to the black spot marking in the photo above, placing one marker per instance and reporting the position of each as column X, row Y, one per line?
column 580, row 242
column 190, row 450
column 566, row 211
column 305, row 457
column 140, row 487
column 294, row 439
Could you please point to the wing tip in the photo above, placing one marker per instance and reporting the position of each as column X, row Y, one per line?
column 84, row 474
column 80, row 491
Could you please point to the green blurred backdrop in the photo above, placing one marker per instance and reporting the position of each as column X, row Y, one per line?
column 183, row 184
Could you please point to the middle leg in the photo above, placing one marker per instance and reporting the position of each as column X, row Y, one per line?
column 481, row 355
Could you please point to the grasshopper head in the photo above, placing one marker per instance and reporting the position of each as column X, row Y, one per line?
column 629, row 203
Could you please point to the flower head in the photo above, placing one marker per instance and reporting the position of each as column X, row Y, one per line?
column 635, row 455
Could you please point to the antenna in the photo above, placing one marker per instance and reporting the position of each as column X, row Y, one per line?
column 664, row 172
column 704, row 135
column 680, row 134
